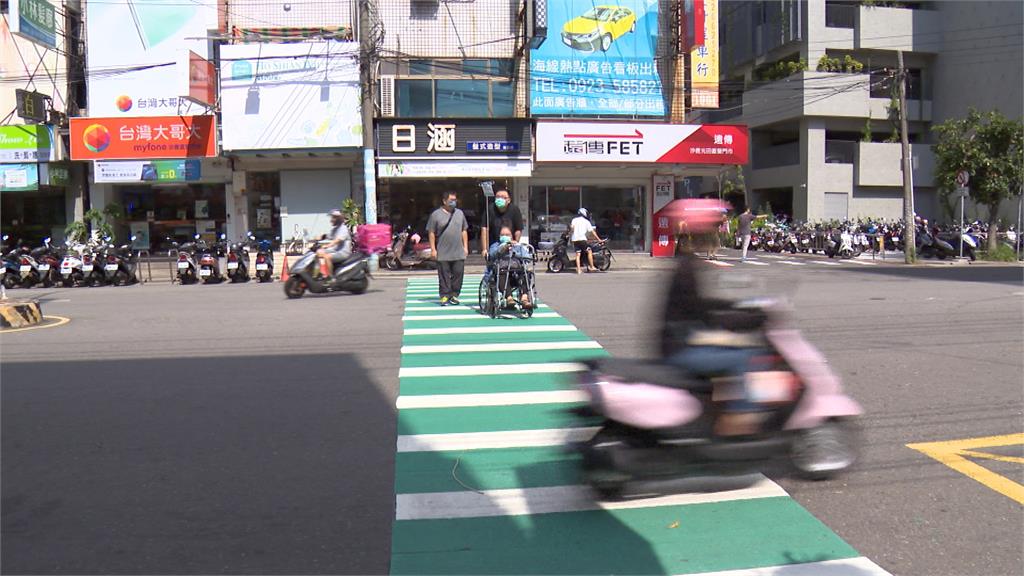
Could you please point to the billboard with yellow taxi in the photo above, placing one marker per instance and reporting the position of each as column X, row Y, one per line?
column 599, row 58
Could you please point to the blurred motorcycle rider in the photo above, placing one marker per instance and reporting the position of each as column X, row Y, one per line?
column 709, row 337
column 339, row 247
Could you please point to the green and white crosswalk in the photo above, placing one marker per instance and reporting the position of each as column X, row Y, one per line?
column 484, row 486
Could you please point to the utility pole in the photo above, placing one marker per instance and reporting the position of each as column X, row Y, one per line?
column 909, row 240
column 366, row 54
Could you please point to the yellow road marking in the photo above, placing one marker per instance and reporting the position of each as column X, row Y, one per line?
column 954, row 453
column 60, row 321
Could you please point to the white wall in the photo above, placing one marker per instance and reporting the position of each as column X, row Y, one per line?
column 484, row 28
column 300, row 14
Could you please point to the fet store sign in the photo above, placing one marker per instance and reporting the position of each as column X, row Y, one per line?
column 141, row 138
column 641, row 143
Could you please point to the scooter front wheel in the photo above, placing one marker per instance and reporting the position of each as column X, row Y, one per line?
column 555, row 264
column 295, row 287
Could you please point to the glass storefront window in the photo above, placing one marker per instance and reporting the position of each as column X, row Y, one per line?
column 462, row 98
column 617, row 213
column 415, row 98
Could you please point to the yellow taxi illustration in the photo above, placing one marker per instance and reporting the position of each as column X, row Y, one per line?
column 598, row 27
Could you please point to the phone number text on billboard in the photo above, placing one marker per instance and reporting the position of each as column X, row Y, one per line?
column 599, row 86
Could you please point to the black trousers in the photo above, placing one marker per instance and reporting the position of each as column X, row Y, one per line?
column 449, row 277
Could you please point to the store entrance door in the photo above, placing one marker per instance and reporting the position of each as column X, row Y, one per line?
column 616, row 211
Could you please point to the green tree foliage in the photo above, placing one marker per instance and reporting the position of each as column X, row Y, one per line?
column 990, row 148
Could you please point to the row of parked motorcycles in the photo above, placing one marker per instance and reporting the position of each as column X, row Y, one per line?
column 851, row 239
column 97, row 262
column 222, row 261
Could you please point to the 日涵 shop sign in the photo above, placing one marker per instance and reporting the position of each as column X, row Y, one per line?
column 144, row 137
column 621, row 142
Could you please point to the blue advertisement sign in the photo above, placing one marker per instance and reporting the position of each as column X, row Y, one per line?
column 598, row 59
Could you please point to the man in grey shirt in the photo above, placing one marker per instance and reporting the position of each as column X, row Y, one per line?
column 449, row 245
column 743, row 229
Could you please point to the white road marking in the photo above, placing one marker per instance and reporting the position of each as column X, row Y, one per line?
column 844, row 567
column 489, row 440
column 551, row 499
column 720, row 263
column 826, row 262
column 755, row 263
column 500, row 347
column 861, row 262
column 491, row 369
column 488, row 330
column 468, row 316
column 490, row 399
column 792, row 263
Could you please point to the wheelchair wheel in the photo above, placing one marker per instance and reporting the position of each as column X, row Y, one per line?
column 481, row 297
column 492, row 301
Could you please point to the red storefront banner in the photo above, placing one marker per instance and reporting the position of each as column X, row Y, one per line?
column 631, row 142
column 143, row 137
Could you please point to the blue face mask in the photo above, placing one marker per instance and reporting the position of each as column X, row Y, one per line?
column 504, row 239
column 452, row 203
column 500, row 202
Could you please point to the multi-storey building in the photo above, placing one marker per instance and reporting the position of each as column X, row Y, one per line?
column 40, row 85
column 814, row 81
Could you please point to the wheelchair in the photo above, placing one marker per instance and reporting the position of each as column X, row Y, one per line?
column 509, row 274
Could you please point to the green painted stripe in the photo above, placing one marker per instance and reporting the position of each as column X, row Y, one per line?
column 708, row 537
column 480, row 320
column 484, row 384
column 491, row 469
column 494, row 338
column 495, row 358
column 489, row 419
column 447, row 311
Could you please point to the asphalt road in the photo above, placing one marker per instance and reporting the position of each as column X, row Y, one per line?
column 223, row 429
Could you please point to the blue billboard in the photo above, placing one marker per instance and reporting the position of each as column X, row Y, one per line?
column 598, row 59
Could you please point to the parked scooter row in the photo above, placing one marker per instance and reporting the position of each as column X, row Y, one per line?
column 95, row 263
column 222, row 261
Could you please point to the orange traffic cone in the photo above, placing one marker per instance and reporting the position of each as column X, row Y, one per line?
column 284, row 268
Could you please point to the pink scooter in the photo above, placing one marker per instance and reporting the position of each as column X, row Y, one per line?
column 658, row 421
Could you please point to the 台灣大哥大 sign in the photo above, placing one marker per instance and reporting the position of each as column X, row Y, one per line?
column 141, row 138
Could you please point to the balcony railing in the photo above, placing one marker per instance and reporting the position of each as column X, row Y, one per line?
column 775, row 156
column 840, row 152
column 840, row 16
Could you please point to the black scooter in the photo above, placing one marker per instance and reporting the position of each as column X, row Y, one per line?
column 352, row 275
column 563, row 256
column 264, row 259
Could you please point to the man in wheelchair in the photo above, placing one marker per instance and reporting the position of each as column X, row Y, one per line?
column 507, row 262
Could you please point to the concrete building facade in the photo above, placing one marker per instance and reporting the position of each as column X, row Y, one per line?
column 814, row 82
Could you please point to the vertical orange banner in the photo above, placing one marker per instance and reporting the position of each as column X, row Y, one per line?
column 704, row 61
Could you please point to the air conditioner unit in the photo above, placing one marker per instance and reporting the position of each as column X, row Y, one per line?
column 387, row 96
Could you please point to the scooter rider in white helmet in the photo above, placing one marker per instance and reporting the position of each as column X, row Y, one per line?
column 582, row 230
column 339, row 248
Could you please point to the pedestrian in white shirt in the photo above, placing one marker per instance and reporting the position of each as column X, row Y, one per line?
column 582, row 230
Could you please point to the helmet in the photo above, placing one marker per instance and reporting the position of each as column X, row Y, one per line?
column 335, row 213
column 583, row 212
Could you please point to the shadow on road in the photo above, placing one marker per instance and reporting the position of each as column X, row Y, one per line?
column 1010, row 274
column 254, row 465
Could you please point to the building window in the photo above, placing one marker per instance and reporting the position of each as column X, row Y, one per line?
column 882, row 83
column 476, row 88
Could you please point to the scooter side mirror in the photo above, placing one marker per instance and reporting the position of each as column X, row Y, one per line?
column 134, row 237
column 196, row 236
column 223, row 236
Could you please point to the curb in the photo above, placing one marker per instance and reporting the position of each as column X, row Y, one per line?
column 20, row 314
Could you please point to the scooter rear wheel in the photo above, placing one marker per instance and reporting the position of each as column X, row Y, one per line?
column 826, row 450
column 361, row 286
column 391, row 262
